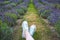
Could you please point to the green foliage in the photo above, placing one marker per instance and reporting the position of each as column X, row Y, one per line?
column 6, row 31
column 13, row 4
column 24, row 7
column 20, row 11
column 9, row 7
column 4, row 26
column 0, row 22
column 57, row 6
column 57, row 26
column 40, row 10
column 41, row 2
column 11, row 15
column 6, row 2
column 45, row 14
column 20, row 1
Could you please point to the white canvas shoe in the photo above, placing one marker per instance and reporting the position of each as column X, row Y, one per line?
column 24, row 27
column 32, row 29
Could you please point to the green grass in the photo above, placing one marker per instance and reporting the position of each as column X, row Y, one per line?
column 31, row 8
column 57, row 26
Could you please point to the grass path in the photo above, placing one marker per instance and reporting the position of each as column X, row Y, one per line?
column 42, row 32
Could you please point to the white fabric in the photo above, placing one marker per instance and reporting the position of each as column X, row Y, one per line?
column 32, row 29
column 24, row 27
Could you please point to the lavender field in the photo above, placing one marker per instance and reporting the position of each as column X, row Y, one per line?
column 45, row 14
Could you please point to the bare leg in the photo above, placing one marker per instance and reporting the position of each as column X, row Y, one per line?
column 28, row 36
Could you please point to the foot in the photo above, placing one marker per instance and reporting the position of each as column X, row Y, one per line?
column 24, row 28
column 32, row 29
